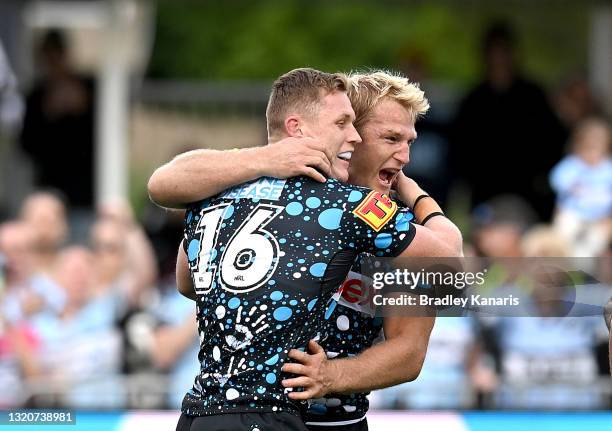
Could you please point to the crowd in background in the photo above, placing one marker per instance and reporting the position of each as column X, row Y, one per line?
column 90, row 316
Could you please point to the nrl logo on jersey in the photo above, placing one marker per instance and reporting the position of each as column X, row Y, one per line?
column 356, row 292
column 262, row 188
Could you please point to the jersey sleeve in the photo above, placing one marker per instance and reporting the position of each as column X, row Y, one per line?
column 378, row 225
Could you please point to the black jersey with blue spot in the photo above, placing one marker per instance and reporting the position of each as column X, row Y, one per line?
column 265, row 258
column 350, row 326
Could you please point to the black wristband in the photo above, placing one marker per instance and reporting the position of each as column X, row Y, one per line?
column 416, row 201
column 432, row 215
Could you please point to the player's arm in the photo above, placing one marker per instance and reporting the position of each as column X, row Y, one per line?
column 184, row 283
column 199, row 174
column 396, row 360
column 435, row 235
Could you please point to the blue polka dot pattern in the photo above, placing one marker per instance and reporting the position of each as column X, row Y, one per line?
column 259, row 255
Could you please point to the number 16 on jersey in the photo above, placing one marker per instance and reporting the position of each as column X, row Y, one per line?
column 250, row 256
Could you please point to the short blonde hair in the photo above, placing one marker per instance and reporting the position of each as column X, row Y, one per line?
column 299, row 90
column 543, row 241
column 365, row 90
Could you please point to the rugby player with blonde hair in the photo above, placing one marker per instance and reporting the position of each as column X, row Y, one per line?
column 386, row 108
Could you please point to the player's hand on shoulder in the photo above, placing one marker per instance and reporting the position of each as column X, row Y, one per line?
column 295, row 156
column 315, row 373
column 407, row 189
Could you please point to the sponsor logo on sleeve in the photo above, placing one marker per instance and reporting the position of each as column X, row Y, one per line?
column 376, row 210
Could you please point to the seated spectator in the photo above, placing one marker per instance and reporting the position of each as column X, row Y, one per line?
column 25, row 293
column 574, row 101
column 18, row 301
column 498, row 224
column 22, row 296
column 548, row 361
column 583, row 184
column 80, row 349
column 18, row 346
column 451, row 373
column 45, row 214
column 175, row 345
column 126, row 267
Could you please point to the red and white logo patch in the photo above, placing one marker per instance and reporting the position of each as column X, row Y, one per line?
column 357, row 293
column 376, row 210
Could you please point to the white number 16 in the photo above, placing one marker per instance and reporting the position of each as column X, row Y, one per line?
column 250, row 256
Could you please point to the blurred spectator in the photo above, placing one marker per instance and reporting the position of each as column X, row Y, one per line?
column 11, row 105
column 17, row 362
column 25, row 293
column 583, row 183
column 543, row 241
column 575, row 101
column 18, row 301
column 165, row 229
column 58, row 125
column 451, row 373
column 125, row 259
column 45, row 214
column 125, row 275
column 506, row 135
column 175, row 345
column 604, row 270
column 547, row 361
column 11, row 112
column 80, row 351
column 498, row 225
column 430, row 154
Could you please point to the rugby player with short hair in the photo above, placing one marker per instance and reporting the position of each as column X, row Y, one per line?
column 386, row 108
column 366, row 221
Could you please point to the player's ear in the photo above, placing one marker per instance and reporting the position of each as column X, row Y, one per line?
column 293, row 126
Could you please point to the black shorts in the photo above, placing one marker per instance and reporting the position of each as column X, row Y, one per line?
column 362, row 425
column 281, row 421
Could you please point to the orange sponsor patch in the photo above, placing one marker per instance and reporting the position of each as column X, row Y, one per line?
column 376, row 210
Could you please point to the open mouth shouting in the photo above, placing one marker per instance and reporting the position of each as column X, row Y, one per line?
column 386, row 176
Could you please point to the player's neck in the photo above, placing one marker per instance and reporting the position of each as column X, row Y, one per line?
column 276, row 139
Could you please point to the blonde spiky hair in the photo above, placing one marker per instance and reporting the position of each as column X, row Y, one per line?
column 365, row 90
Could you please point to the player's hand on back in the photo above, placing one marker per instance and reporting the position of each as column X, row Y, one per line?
column 315, row 373
column 292, row 157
